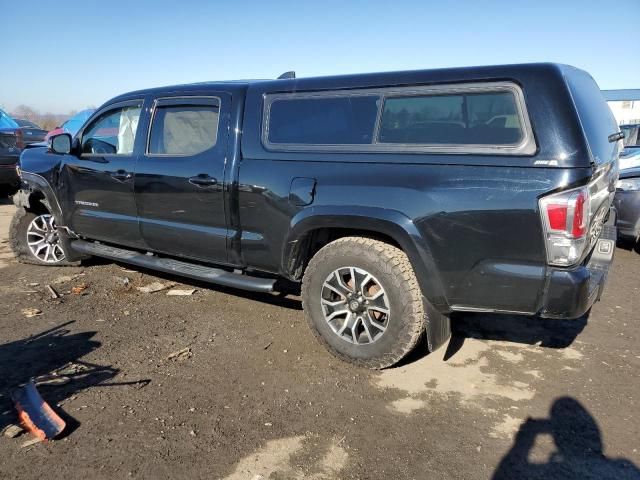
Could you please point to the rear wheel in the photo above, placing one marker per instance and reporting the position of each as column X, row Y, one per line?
column 35, row 239
column 362, row 301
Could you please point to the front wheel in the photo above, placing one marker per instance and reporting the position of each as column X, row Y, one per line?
column 35, row 239
column 362, row 300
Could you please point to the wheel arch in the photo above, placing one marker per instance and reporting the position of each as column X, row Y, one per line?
column 38, row 191
column 313, row 228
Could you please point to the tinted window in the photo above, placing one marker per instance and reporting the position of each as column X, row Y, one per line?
column 184, row 129
column 113, row 133
column 456, row 119
column 323, row 121
column 595, row 115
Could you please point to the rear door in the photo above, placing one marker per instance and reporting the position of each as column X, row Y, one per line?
column 179, row 182
column 99, row 200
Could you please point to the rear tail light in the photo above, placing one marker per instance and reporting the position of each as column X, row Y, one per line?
column 565, row 217
column 19, row 139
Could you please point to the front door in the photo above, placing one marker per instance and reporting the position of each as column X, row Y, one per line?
column 179, row 182
column 99, row 196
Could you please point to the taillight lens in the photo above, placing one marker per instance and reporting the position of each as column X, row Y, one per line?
column 19, row 139
column 579, row 225
column 565, row 217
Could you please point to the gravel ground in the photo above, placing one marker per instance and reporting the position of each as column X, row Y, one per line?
column 253, row 396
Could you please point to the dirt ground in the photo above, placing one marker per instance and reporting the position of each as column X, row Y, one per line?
column 255, row 397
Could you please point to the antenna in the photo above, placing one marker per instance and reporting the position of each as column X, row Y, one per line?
column 289, row 74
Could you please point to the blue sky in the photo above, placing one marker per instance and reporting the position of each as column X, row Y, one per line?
column 68, row 55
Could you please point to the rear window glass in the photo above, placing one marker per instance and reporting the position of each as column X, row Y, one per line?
column 345, row 120
column 183, row 129
column 457, row 119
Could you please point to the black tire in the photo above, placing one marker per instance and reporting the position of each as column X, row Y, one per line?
column 18, row 240
column 391, row 268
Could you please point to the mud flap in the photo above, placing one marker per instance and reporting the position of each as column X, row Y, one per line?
column 35, row 414
column 438, row 327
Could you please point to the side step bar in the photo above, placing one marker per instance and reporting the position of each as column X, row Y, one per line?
column 177, row 267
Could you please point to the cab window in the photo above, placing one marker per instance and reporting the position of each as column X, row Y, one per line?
column 184, row 126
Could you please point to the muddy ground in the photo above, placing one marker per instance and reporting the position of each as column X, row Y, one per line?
column 255, row 397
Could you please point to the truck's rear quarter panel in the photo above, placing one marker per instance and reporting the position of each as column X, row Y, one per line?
column 480, row 224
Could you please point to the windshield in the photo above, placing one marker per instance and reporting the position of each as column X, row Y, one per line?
column 6, row 121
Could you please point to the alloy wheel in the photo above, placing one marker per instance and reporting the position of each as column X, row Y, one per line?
column 43, row 239
column 355, row 305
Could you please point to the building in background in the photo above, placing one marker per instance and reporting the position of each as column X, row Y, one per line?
column 625, row 105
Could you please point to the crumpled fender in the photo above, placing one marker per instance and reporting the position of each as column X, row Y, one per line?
column 33, row 182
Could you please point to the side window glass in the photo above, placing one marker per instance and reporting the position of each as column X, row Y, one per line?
column 459, row 119
column 184, row 129
column 113, row 133
column 342, row 120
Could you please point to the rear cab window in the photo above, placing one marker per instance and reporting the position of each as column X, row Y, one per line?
column 480, row 118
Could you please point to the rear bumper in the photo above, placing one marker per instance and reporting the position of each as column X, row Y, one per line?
column 628, row 207
column 570, row 293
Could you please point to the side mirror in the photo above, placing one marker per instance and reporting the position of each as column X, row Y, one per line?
column 60, row 144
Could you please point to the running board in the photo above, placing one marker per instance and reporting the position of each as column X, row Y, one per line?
column 177, row 267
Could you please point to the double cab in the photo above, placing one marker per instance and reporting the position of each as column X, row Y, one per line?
column 392, row 200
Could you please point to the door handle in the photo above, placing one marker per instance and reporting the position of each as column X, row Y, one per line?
column 121, row 175
column 202, row 181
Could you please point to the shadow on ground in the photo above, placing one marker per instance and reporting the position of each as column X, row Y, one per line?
column 54, row 350
column 577, row 448
column 550, row 333
column 285, row 298
column 627, row 244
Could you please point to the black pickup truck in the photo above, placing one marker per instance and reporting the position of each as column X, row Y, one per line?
column 394, row 199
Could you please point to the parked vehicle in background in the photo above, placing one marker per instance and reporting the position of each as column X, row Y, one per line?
column 627, row 203
column 72, row 125
column 11, row 144
column 31, row 133
column 394, row 199
column 630, row 156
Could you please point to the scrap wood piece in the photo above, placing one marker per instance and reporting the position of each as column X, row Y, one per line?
column 28, row 443
column 176, row 292
column 35, row 415
column 12, row 431
column 51, row 379
column 31, row 312
column 52, row 292
column 155, row 287
column 183, row 353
